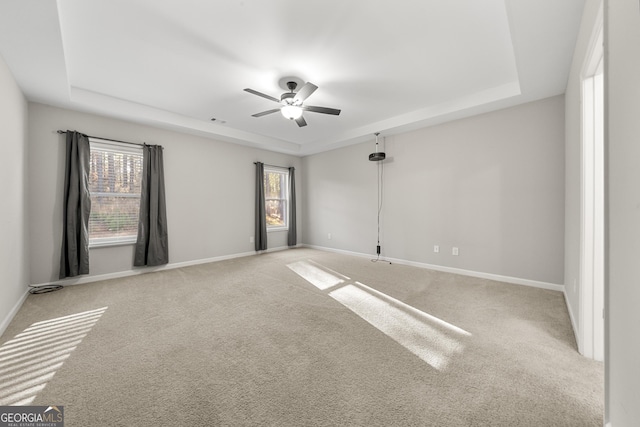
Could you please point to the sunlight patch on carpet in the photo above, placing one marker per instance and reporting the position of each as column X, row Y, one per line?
column 322, row 278
column 431, row 339
column 31, row 359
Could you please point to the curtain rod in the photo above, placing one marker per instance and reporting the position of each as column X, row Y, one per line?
column 107, row 139
column 274, row 166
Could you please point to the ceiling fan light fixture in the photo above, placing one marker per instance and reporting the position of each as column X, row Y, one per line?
column 291, row 112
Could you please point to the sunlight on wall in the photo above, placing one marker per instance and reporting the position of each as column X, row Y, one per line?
column 31, row 358
column 431, row 339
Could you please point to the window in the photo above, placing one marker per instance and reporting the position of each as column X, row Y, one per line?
column 276, row 198
column 115, row 177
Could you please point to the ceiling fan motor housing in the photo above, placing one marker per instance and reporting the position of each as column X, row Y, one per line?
column 287, row 98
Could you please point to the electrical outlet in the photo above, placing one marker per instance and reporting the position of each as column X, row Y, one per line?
column 329, row 236
column 436, row 248
column 251, row 239
column 454, row 251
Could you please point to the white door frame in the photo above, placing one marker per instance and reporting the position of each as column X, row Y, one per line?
column 592, row 202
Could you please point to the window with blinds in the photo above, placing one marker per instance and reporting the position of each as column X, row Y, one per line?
column 276, row 198
column 115, row 178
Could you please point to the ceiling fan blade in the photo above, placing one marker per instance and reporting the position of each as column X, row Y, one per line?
column 301, row 121
column 323, row 110
column 305, row 92
column 255, row 92
column 264, row 113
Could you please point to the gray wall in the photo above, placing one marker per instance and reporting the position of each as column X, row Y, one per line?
column 14, row 274
column 341, row 190
column 209, row 184
column 573, row 163
column 492, row 185
column 622, row 139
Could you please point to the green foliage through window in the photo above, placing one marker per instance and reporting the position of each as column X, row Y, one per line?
column 276, row 188
column 115, row 178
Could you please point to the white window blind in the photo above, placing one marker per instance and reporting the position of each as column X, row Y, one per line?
column 115, row 177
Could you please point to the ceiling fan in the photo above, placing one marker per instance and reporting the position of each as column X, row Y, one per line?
column 293, row 103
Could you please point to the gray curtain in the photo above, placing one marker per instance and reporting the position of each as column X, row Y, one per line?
column 74, row 257
column 261, row 221
column 292, row 239
column 152, row 246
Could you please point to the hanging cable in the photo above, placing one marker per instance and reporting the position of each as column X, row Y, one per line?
column 380, row 201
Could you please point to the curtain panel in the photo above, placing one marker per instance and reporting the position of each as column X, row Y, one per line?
column 292, row 238
column 74, row 255
column 152, row 246
column 261, row 221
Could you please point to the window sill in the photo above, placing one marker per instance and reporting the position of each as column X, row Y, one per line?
column 108, row 243
column 269, row 230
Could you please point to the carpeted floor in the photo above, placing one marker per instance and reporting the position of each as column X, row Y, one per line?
column 300, row 338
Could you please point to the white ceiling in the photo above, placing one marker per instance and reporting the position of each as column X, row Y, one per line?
column 389, row 66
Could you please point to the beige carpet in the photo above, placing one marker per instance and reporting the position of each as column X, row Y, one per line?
column 301, row 338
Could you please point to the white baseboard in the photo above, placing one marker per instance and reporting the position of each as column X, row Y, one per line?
column 574, row 325
column 276, row 249
column 12, row 313
column 142, row 270
column 338, row 251
column 481, row 275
